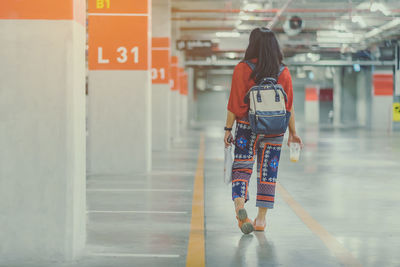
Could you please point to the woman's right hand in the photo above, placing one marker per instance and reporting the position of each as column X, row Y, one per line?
column 228, row 139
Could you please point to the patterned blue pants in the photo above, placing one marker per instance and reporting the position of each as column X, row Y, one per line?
column 268, row 149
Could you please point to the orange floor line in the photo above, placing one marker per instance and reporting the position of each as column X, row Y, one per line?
column 196, row 247
column 341, row 253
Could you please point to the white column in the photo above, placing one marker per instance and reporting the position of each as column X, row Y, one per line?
column 337, row 96
column 183, row 101
column 363, row 96
column 161, row 92
column 311, row 105
column 175, row 99
column 119, row 87
column 175, row 95
column 191, row 101
column 42, row 130
column 382, row 100
column 397, row 81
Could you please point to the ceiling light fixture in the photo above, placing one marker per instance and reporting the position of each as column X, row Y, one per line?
column 360, row 20
column 227, row 34
column 335, row 40
column 380, row 7
column 251, row 7
column 243, row 16
column 231, row 55
column 244, row 27
column 335, row 34
column 340, row 27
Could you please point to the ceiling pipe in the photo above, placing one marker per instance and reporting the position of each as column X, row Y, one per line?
column 377, row 32
column 275, row 10
column 218, row 19
column 213, row 29
column 282, row 18
column 272, row 23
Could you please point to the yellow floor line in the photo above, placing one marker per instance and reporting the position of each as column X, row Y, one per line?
column 196, row 247
column 342, row 254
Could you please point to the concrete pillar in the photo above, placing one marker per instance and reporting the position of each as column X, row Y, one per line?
column 183, row 101
column 42, row 130
column 311, row 105
column 119, row 87
column 191, row 101
column 337, row 96
column 175, row 99
column 382, row 100
column 161, row 61
column 175, row 95
column 349, row 97
column 397, row 80
column 364, row 87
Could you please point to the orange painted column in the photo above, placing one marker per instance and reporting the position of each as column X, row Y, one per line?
column 160, row 74
column 42, row 130
column 119, row 86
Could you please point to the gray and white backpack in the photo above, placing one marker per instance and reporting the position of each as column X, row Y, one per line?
column 267, row 99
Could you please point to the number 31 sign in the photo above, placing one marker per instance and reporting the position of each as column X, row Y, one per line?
column 118, row 42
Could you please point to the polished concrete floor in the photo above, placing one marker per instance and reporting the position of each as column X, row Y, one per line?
column 347, row 180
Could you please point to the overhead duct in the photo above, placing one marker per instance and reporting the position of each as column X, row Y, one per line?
column 293, row 26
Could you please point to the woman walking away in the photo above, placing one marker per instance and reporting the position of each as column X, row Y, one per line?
column 262, row 65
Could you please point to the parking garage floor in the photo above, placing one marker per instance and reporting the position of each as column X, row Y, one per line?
column 338, row 206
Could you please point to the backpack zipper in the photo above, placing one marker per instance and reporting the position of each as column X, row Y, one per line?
column 279, row 115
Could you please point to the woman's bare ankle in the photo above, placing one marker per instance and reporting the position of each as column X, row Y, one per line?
column 239, row 203
column 260, row 220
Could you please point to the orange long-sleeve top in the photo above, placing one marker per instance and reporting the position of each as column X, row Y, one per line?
column 241, row 84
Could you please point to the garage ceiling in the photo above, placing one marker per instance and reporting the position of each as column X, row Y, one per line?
column 329, row 26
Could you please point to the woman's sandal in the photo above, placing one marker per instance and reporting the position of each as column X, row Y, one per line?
column 257, row 227
column 245, row 224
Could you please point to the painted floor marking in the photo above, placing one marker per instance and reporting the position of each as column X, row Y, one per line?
column 137, row 211
column 168, row 172
column 196, row 246
column 135, row 255
column 341, row 253
column 137, row 190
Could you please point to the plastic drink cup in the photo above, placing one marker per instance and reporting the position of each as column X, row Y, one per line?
column 294, row 152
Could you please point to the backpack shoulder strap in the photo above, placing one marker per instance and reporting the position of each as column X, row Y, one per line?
column 250, row 64
column 253, row 66
column 281, row 69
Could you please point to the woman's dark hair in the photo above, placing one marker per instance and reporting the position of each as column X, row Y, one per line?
column 264, row 46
